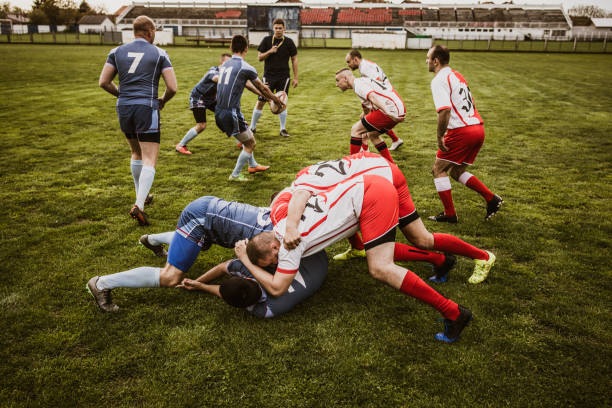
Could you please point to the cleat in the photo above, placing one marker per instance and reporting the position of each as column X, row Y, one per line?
column 239, row 178
column 350, row 253
column 258, row 168
column 452, row 219
column 453, row 328
column 396, row 144
column 102, row 297
column 493, row 206
column 139, row 215
column 253, row 130
column 158, row 250
column 284, row 133
column 182, row 149
column 239, row 145
column 442, row 271
column 149, row 199
column 481, row 269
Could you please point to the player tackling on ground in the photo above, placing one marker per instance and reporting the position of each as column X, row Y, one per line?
column 460, row 135
column 139, row 65
column 386, row 109
column 370, row 69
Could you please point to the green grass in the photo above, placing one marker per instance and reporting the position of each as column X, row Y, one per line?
column 541, row 335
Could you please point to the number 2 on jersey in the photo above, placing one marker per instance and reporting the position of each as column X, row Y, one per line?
column 137, row 57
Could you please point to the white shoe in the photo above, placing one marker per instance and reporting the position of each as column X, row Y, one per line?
column 396, row 144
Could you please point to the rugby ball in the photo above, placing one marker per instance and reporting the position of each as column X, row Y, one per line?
column 274, row 107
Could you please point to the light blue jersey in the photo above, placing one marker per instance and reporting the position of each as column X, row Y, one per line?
column 233, row 75
column 139, row 65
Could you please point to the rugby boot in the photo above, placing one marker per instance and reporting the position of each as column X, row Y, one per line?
column 158, row 250
column 350, row 253
column 451, row 219
column 140, row 216
column 396, row 144
column 182, row 150
column 258, row 168
column 149, row 199
column 284, row 133
column 239, row 178
column 493, row 206
column 482, row 269
column 102, row 297
column 453, row 328
column 441, row 272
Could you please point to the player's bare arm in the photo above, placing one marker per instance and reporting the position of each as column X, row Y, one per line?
column 443, row 118
column 294, row 64
column 296, row 207
column 276, row 284
column 171, row 87
column 263, row 55
column 379, row 103
column 106, row 80
column 249, row 85
column 200, row 284
column 266, row 93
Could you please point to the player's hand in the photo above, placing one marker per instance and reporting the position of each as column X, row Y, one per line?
column 280, row 103
column 441, row 145
column 189, row 284
column 273, row 49
column 292, row 238
column 161, row 103
column 295, row 82
column 240, row 250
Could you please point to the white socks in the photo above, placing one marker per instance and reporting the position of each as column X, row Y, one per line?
column 283, row 119
column 162, row 238
column 463, row 178
column 442, row 183
column 136, row 167
column 256, row 115
column 188, row 136
column 147, row 174
column 143, row 277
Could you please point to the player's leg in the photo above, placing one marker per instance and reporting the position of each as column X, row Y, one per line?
column 377, row 123
column 155, row 242
column 258, row 109
column 136, row 159
column 357, row 136
column 442, row 182
column 380, row 145
column 199, row 113
column 283, row 84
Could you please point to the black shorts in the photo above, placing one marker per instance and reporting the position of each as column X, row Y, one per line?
column 139, row 121
column 199, row 113
column 276, row 83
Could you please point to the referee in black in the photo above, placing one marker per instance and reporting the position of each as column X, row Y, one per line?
column 276, row 50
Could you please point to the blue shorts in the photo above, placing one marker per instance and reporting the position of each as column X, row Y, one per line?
column 139, row 121
column 193, row 224
column 230, row 121
column 182, row 252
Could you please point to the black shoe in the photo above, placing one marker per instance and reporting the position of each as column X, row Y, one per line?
column 102, row 297
column 284, row 133
column 453, row 329
column 158, row 250
column 493, row 206
column 442, row 271
column 444, row 218
column 139, row 215
column 253, row 131
column 149, row 199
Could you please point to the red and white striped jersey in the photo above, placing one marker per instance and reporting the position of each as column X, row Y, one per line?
column 363, row 87
column 328, row 174
column 371, row 70
column 451, row 91
column 329, row 217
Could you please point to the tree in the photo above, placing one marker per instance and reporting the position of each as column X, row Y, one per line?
column 84, row 8
column 5, row 9
column 587, row 11
column 38, row 17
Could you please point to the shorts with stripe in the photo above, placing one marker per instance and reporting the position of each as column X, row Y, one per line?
column 230, row 121
column 379, row 211
column 376, row 121
column 276, row 83
column 139, row 122
column 463, row 144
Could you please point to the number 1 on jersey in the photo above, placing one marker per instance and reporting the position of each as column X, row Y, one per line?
column 137, row 57
column 227, row 72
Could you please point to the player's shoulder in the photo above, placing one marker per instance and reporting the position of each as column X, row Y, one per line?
column 246, row 66
column 160, row 51
column 114, row 50
column 442, row 76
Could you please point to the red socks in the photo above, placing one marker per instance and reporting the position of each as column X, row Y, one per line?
column 355, row 145
column 405, row 252
column 384, row 151
column 392, row 135
column 414, row 286
column 452, row 244
column 356, row 242
column 480, row 188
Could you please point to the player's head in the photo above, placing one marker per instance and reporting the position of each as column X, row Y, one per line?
column 224, row 57
column 263, row 248
column 240, row 292
column 279, row 27
column 344, row 79
column 353, row 59
column 144, row 27
column 438, row 57
column 239, row 44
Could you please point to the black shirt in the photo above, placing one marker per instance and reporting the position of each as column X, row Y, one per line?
column 277, row 63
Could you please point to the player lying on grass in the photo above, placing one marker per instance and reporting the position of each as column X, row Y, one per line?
column 324, row 175
column 369, row 203
column 205, row 221
column 242, row 290
column 385, row 107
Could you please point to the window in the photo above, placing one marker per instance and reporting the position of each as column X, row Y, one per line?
column 546, row 32
column 558, row 33
column 498, row 30
column 510, row 30
column 479, row 30
column 461, row 29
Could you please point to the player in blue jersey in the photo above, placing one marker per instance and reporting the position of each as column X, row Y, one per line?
column 203, row 96
column 139, row 65
column 233, row 77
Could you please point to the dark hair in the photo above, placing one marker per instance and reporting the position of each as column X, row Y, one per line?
column 239, row 44
column 278, row 21
column 240, row 292
column 355, row 53
column 225, row 54
column 142, row 24
column 441, row 53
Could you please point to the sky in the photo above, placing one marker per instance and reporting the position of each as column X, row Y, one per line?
column 112, row 5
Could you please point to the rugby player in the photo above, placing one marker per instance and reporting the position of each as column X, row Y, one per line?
column 203, row 96
column 369, row 69
column 368, row 203
column 386, row 109
column 276, row 50
column 139, row 65
column 460, row 135
column 233, row 76
column 325, row 175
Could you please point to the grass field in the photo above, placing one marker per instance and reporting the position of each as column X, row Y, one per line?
column 541, row 335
